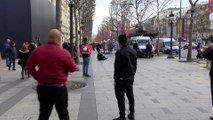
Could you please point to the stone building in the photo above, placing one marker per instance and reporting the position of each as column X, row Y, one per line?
column 65, row 27
column 25, row 21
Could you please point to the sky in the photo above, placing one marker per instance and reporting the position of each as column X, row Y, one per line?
column 102, row 10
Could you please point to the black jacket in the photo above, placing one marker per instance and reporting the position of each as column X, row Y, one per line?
column 23, row 57
column 208, row 54
column 149, row 47
column 125, row 65
column 135, row 46
column 12, row 52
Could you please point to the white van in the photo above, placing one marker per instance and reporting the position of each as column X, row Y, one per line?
column 164, row 44
column 142, row 40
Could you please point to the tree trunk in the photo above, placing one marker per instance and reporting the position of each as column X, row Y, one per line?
column 80, row 23
column 189, row 55
column 58, row 14
column 76, row 35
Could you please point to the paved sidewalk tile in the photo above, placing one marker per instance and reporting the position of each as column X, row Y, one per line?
column 165, row 89
column 27, row 108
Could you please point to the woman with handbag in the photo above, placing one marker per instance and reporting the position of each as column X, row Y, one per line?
column 23, row 55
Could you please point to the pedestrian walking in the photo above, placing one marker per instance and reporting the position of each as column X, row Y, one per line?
column 6, row 46
column 199, row 52
column 136, row 46
column 117, row 47
column 12, row 55
column 110, row 46
column 86, row 50
column 32, row 46
column 98, row 48
column 125, row 69
column 53, row 63
column 23, row 55
column 148, row 50
column 208, row 54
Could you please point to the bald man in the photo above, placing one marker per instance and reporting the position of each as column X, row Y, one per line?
column 53, row 64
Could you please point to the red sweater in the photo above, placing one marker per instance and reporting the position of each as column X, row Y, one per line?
column 50, row 64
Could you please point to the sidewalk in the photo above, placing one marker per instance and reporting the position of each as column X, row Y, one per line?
column 18, row 98
column 165, row 89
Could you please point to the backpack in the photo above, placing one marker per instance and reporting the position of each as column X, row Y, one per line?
column 86, row 49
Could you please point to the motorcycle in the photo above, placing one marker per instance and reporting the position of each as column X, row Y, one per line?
column 199, row 53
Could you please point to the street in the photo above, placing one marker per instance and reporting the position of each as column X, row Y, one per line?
column 164, row 89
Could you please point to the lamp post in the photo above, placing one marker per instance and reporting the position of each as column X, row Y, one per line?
column 171, row 18
column 71, row 5
column 181, row 30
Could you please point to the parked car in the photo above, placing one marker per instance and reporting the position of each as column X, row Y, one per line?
column 164, row 45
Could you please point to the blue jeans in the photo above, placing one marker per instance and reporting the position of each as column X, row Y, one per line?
column 7, row 59
column 85, row 65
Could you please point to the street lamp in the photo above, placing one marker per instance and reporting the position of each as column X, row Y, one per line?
column 71, row 5
column 171, row 19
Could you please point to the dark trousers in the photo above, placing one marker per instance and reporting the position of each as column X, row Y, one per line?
column 148, row 54
column 7, row 59
column 12, row 61
column 49, row 96
column 120, row 90
column 24, row 71
column 211, row 88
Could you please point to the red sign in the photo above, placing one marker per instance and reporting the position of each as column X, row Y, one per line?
column 127, row 28
column 120, row 27
column 210, row 6
column 211, row 9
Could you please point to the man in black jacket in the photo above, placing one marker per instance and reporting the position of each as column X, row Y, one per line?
column 125, row 69
column 208, row 54
column 148, row 50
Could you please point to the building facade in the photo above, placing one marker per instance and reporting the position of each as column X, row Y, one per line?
column 201, row 26
column 25, row 20
column 65, row 19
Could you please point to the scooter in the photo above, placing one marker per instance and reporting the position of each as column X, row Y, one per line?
column 199, row 53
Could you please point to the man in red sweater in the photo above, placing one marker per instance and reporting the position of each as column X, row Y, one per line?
column 53, row 63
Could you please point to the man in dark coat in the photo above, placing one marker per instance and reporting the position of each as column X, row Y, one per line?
column 135, row 46
column 148, row 50
column 12, row 55
column 208, row 54
column 125, row 69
